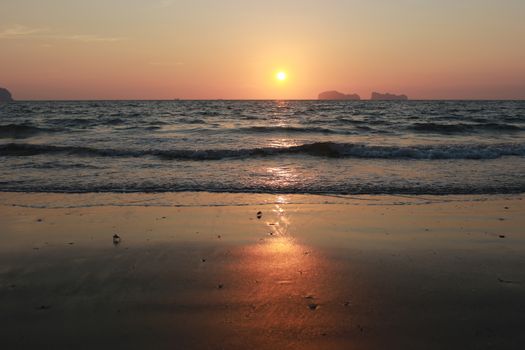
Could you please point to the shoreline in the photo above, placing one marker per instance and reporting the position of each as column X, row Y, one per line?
column 201, row 270
column 207, row 198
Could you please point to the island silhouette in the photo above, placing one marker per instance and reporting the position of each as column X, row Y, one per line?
column 5, row 96
column 334, row 95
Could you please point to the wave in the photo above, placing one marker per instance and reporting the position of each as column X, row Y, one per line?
column 191, row 121
column 341, row 189
column 317, row 149
column 22, row 131
column 462, row 127
column 289, row 129
column 114, row 121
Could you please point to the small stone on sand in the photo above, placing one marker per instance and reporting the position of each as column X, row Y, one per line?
column 313, row 306
column 116, row 239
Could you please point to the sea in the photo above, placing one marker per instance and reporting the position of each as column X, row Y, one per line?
column 306, row 147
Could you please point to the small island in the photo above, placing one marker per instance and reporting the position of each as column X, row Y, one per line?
column 5, row 96
column 376, row 96
column 336, row 95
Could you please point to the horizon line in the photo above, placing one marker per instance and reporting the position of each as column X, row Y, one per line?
column 263, row 99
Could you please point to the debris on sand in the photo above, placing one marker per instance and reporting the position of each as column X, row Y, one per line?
column 71, row 243
column 501, row 219
column 501, row 236
column 220, row 286
column 219, row 236
column 347, row 303
column 39, row 220
column 259, row 214
column 116, row 239
column 203, row 260
column 501, row 280
column 313, row 306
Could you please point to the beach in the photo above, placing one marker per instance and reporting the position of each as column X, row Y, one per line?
column 198, row 270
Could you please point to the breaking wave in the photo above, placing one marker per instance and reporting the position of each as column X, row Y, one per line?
column 317, row 149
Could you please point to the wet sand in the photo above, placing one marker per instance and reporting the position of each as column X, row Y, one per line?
column 201, row 271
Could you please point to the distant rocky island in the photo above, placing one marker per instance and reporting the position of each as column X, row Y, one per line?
column 376, row 96
column 5, row 96
column 336, row 95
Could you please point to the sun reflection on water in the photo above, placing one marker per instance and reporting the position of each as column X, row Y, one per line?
column 282, row 143
column 281, row 177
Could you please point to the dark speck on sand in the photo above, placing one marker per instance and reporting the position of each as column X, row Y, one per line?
column 313, row 306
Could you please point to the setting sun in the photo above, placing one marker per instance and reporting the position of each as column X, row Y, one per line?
column 281, row 76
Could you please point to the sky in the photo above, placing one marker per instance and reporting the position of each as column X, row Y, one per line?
column 233, row 49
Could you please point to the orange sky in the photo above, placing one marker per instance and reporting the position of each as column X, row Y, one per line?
column 232, row 49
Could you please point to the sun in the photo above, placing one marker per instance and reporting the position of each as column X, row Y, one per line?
column 281, row 76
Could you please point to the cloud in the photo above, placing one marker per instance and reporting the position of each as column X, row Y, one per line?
column 17, row 31
column 20, row 31
column 89, row 38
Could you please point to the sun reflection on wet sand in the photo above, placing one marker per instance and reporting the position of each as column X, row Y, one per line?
column 282, row 286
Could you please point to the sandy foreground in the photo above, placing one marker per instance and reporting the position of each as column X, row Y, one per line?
column 202, row 271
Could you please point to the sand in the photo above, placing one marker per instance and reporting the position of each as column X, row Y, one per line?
column 201, row 271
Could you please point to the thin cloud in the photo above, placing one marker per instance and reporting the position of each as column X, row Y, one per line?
column 90, row 38
column 20, row 31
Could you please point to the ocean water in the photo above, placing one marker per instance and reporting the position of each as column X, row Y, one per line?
column 321, row 147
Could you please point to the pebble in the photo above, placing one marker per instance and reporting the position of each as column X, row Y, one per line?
column 116, row 239
column 313, row 306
